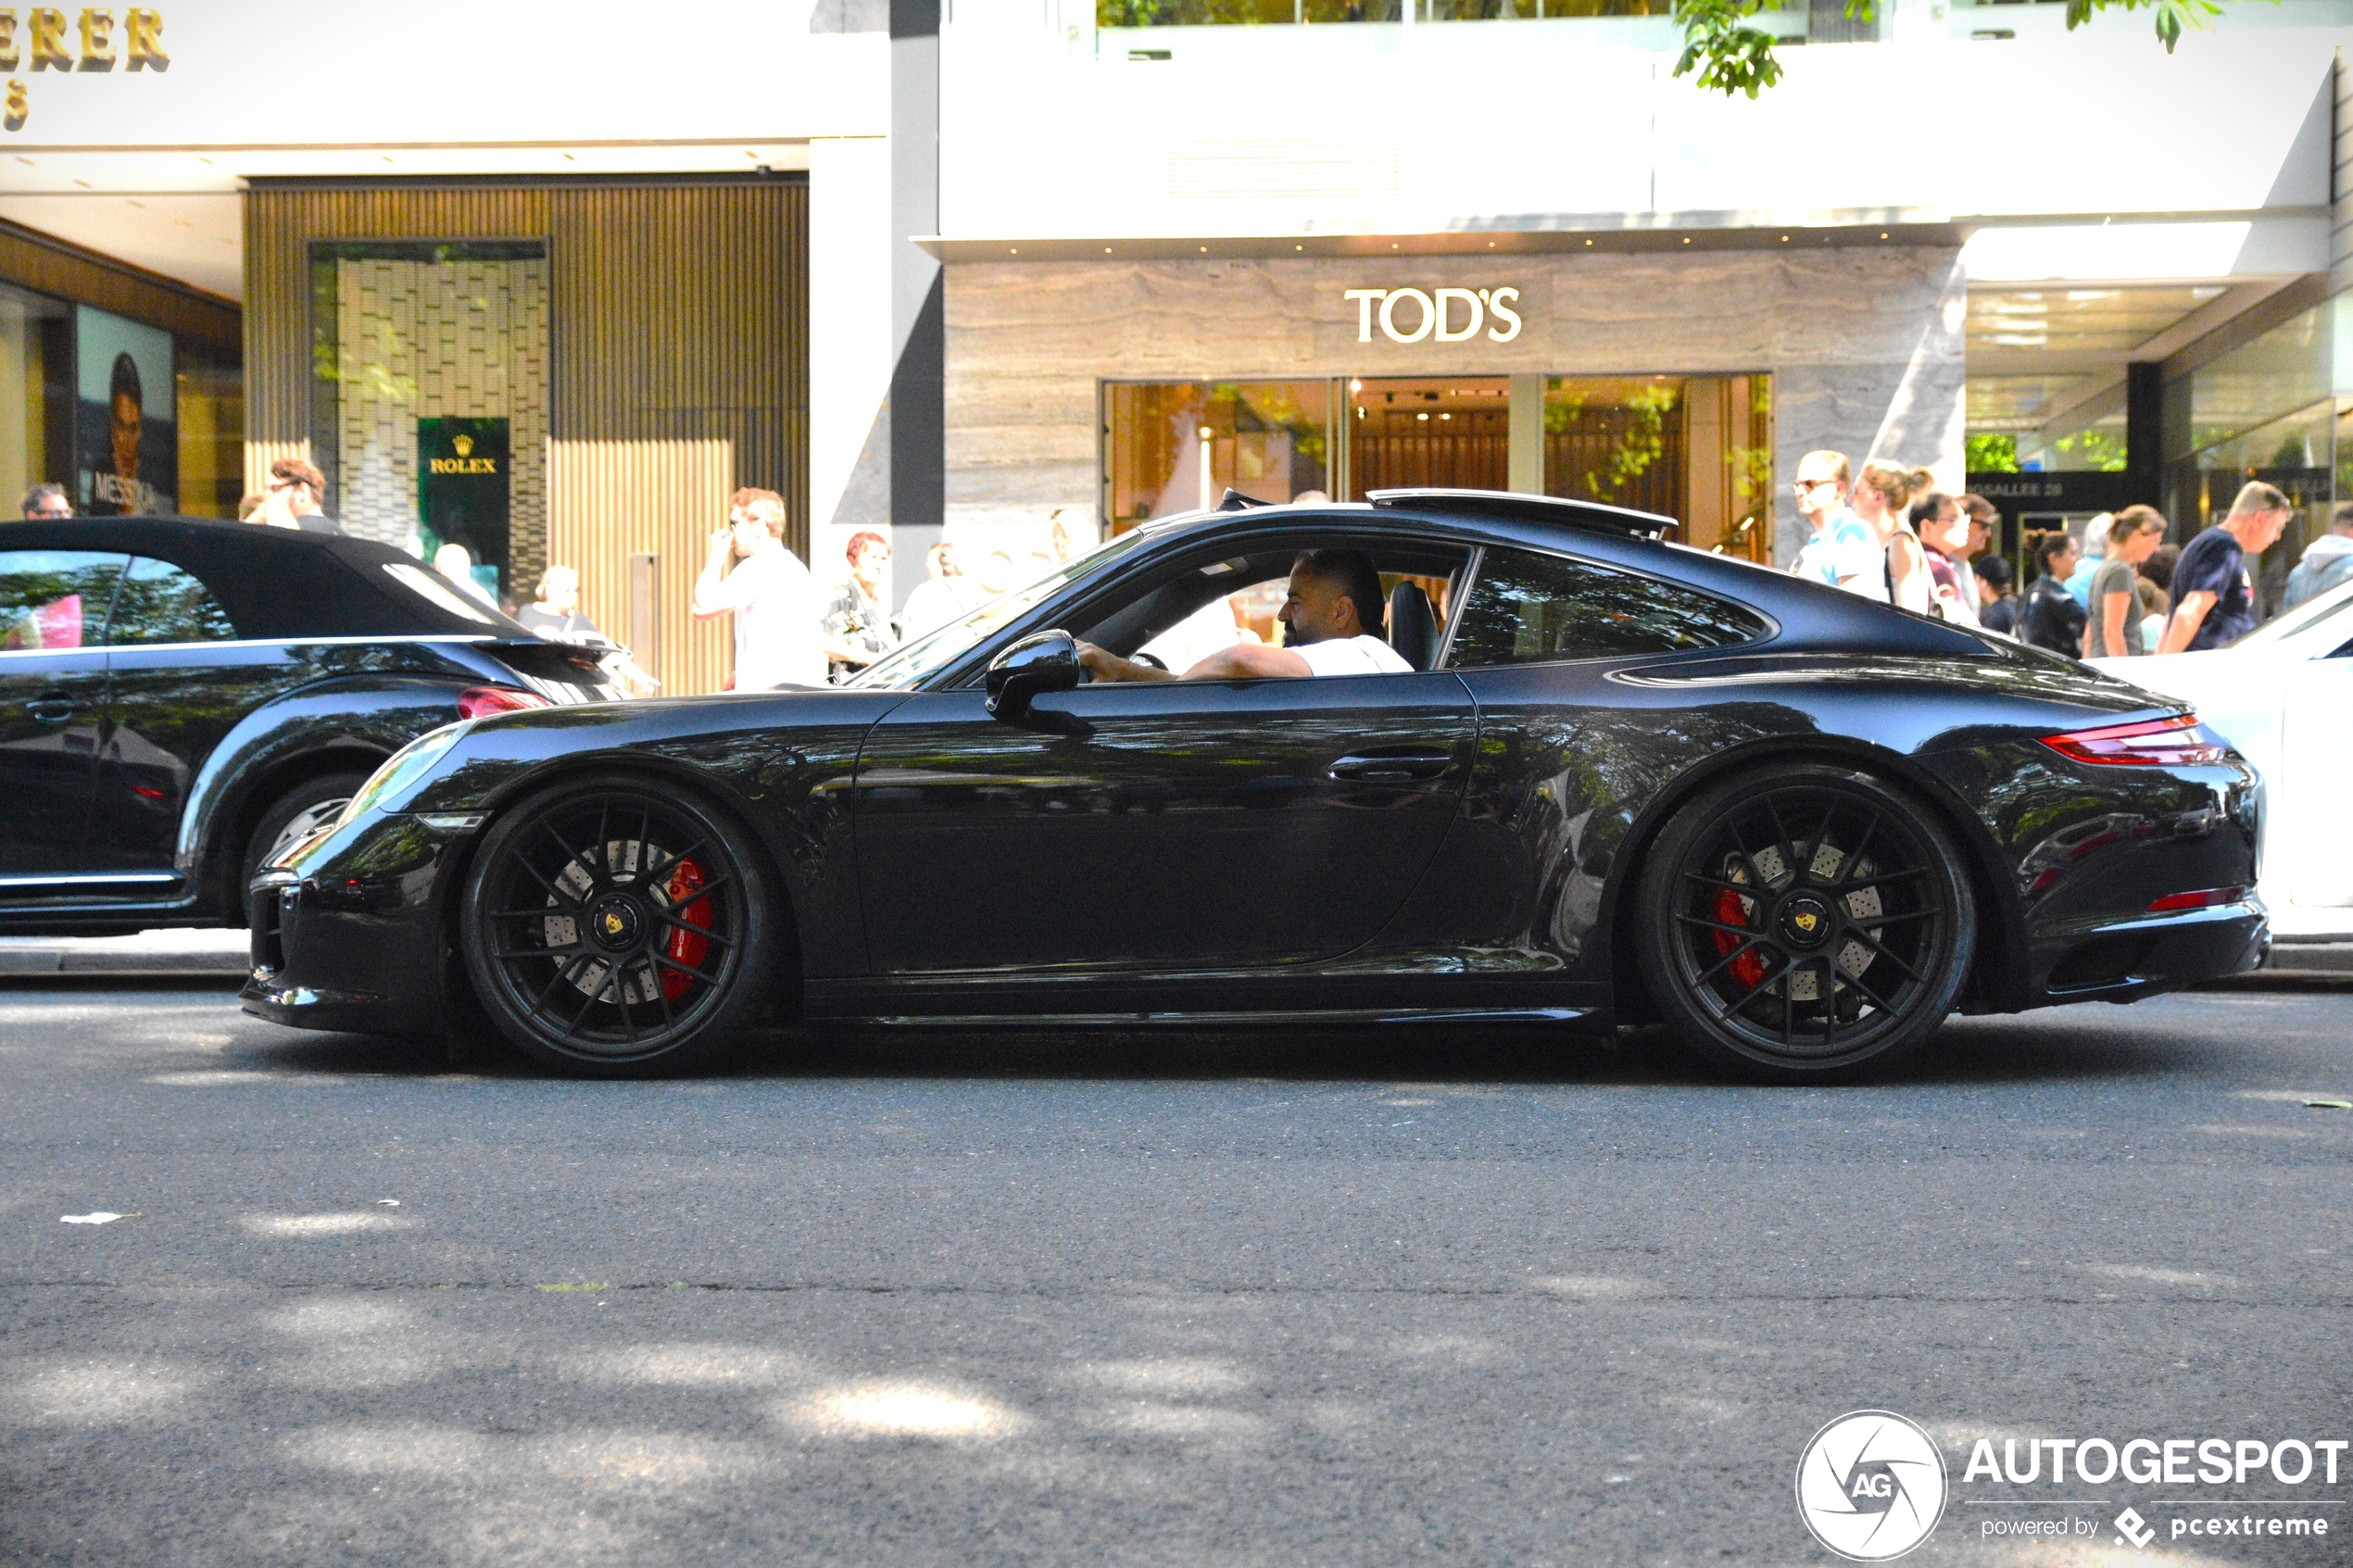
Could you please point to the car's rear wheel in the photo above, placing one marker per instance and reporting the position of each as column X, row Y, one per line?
column 308, row 805
column 616, row 928
column 1801, row 924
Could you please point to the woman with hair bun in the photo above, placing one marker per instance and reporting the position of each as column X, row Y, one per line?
column 1881, row 493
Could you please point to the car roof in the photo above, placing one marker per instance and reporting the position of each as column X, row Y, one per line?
column 276, row 584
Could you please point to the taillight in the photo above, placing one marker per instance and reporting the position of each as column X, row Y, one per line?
column 2205, row 898
column 481, row 702
column 2180, row 739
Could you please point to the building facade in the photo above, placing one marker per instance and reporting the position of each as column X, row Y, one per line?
column 1021, row 274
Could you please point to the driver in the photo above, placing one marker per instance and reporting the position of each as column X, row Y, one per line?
column 1334, row 613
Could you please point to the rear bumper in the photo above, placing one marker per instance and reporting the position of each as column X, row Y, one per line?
column 2125, row 961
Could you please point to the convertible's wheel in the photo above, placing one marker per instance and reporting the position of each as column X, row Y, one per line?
column 617, row 929
column 1800, row 925
column 308, row 805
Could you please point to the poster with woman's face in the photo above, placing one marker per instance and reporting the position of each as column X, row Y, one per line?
column 129, row 436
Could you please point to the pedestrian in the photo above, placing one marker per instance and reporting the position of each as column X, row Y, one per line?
column 1843, row 551
column 2150, row 602
column 997, row 574
column 2213, row 591
column 2095, row 533
column 555, row 614
column 1941, row 528
column 943, row 595
column 2328, row 560
column 294, row 498
column 251, row 502
column 1984, row 519
column 854, row 626
column 2051, row 618
column 1997, row 597
column 1882, row 496
column 768, row 590
column 2112, row 624
column 455, row 562
column 1074, row 533
column 46, row 503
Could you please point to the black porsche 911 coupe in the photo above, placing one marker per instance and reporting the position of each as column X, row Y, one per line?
column 181, row 696
column 1620, row 779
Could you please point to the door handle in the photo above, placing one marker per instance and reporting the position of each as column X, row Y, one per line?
column 50, row 710
column 1404, row 767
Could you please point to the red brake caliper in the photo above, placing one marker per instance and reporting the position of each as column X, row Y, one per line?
column 1749, row 969
column 686, row 946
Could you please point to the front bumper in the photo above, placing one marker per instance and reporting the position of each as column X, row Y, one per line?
column 347, row 930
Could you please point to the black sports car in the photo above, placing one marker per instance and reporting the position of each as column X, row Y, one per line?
column 181, row 696
column 1620, row 779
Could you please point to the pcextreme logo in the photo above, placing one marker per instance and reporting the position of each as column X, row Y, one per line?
column 1870, row 1486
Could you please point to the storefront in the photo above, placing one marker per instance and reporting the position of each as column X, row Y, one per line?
column 121, row 385
column 1680, row 383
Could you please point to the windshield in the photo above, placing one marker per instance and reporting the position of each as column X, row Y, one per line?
column 2302, row 618
column 904, row 666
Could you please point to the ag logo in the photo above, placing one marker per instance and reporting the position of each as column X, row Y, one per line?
column 1870, row 1486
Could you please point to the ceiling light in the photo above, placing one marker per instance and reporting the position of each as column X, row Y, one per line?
column 1421, row 416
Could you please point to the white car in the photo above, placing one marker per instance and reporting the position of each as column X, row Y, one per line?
column 2284, row 695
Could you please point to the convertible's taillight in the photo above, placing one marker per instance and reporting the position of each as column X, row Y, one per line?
column 2180, row 739
column 2205, row 898
column 481, row 702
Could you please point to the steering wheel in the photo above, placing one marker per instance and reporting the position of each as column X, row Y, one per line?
column 1150, row 660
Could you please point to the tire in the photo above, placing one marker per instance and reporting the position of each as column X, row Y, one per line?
column 289, row 816
column 616, row 928
column 1866, row 898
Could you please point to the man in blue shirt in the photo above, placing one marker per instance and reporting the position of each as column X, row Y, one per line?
column 1842, row 551
column 2213, row 589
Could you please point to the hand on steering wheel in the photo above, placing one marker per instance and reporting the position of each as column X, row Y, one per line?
column 1150, row 660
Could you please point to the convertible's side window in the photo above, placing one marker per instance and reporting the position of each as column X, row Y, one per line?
column 56, row 598
column 1530, row 609
column 162, row 603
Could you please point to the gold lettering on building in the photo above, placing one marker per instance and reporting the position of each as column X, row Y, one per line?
column 142, row 40
column 461, row 465
column 44, row 28
column 97, row 39
column 47, row 26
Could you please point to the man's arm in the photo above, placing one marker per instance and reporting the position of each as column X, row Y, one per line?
column 711, row 599
column 2187, row 616
column 1244, row 661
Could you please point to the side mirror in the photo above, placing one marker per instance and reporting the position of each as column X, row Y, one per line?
column 1045, row 661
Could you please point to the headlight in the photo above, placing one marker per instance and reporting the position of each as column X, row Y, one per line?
column 404, row 768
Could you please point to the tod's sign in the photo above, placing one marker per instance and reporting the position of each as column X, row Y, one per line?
column 1439, row 315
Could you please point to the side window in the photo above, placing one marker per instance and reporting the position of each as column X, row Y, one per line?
column 56, row 598
column 1529, row 609
column 161, row 603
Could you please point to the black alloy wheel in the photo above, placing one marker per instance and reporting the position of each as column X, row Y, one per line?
column 617, row 929
column 1801, row 923
column 300, row 812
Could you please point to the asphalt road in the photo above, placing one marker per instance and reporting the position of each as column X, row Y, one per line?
column 1192, row 1300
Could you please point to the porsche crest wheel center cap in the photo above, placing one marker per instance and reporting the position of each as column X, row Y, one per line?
column 615, row 923
column 1806, row 921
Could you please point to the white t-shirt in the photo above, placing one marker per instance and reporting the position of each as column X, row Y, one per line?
column 1360, row 655
column 775, row 604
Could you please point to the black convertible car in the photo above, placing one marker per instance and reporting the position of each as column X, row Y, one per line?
column 1620, row 779
column 181, row 696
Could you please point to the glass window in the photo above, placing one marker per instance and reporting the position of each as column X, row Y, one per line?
column 429, row 398
column 1178, row 446
column 56, row 598
column 910, row 663
column 1527, row 608
column 36, row 394
column 160, row 603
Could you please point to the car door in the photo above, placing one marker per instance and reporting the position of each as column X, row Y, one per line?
column 179, row 678
column 1154, row 826
column 2307, row 793
column 53, row 682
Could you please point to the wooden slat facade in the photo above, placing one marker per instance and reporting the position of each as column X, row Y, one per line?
column 57, row 267
column 680, row 345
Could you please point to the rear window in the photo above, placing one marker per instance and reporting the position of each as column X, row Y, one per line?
column 1531, row 609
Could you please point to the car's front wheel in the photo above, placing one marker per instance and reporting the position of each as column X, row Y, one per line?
column 1800, row 925
column 295, row 815
column 616, row 928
